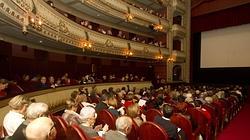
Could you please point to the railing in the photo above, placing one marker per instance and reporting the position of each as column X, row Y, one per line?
column 60, row 28
column 56, row 98
column 178, row 30
column 140, row 17
column 179, row 5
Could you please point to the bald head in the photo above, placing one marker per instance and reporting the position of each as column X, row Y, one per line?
column 41, row 129
column 124, row 124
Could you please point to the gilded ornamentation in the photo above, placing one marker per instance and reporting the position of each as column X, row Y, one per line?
column 108, row 43
column 63, row 28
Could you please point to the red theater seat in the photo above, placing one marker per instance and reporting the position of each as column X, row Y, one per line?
column 61, row 127
column 3, row 132
column 151, row 131
column 105, row 117
column 152, row 113
column 74, row 132
column 133, row 135
column 201, row 123
column 185, row 124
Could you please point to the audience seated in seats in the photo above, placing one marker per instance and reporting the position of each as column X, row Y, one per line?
column 35, row 110
column 3, row 86
column 88, row 116
column 103, row 104
column 123, row 126
column 42, row 85
column 133, row 111
column 172, row 130
column 70, row 115
column 112, row 102
column 41, row 128
column 15, row 117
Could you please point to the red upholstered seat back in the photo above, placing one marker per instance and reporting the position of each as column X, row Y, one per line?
column 105, row 117
column 3, row 132
column 152, row 113
column 74, row 132
column 151, row 131
column 61, row 127
column 133, row 135
column 183, row 123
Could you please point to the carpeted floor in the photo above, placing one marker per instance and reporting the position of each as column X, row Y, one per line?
column 239, row 127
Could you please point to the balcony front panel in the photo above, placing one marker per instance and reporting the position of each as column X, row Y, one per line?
column 179, row 6
column 119, row 9
column 178, row 31
column 58, row 27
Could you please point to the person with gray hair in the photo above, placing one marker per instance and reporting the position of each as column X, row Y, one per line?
column 35, row 110
column 41, row 128
column 123, row 125
column 15, row 116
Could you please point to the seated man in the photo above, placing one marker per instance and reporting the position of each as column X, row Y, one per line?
column 41, row 129
column 123, row 126
column 88, row 116
column 15, row 116
column 172, row 130
column 35, row 110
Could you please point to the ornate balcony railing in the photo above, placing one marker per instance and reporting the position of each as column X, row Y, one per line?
column 179, row 5
column 178, row 31
column 58, row 27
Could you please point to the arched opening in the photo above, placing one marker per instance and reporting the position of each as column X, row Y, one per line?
column 177, row 73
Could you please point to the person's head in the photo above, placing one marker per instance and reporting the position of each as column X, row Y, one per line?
column 43, row 80
column 88, row 115
column 51, row 80
column 41, row 128
column 167, row 111
column 26, row 77
column 124, row 124
column 19, row 103
column 197, row 103
column 104, row 98
column 129, row 96
column 36, row 110
column 112, row 102
column 71, row 105
column 133, row 110
column 209, row 100
column 3, row 84
column 75, row 95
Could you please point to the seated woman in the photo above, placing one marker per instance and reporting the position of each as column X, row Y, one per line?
column 70, row 115
column 129, row 99
column 15, row 117
column 133, row 111
column 112, row 102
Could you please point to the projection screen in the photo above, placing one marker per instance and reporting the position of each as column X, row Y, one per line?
column 226, row 48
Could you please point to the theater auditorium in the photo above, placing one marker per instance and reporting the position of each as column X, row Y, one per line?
column 124, row 69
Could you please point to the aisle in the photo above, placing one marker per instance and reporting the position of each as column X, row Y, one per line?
column 239, row 127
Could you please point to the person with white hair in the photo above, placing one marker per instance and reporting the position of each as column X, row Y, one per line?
column 35, row 110
column 88, row 116
column 41, row 128
column 123, row 126
column 15, row 116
